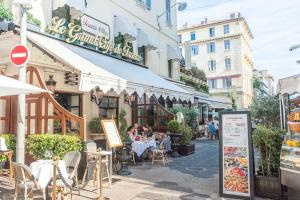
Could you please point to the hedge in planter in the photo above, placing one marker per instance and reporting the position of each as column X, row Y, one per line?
column 10, row 141
column 58, row 144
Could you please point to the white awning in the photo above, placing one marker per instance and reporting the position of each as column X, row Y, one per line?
column 108, row 72
column 123, row 26
column 9, row 86
column 289, row 85
column 146, row 40
column 173, row 53
column 215, row 101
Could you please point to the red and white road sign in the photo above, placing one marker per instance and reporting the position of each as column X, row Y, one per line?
column 19, row 55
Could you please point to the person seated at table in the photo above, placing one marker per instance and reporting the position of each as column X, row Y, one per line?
column 147, row 131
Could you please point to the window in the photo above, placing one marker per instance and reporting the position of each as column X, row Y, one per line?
column 109, row 107
column 212, row 83
column 211, row 32
column 226, row 82
column 227, row 45
column 193, row 36
column 212, row 66
column 170, row 68
column 142, row 53
column 226, row 29
column 194, row 49
column 211, row 47
column 168, row 12
column 227, row 63
column 180, row 38
column 148, row 4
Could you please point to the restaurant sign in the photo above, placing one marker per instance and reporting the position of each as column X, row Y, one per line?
column 74, row 33
column 236, row 155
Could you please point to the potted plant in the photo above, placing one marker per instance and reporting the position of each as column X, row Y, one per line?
column 267, row 140
column 175, row 135
column 267, row 180
column 186, row 147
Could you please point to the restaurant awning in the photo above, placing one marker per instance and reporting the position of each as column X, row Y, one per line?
column 146, row 40
column 9, row 86
column 173, row 53
column 107, row 72
column 123, row 26
column 215, row 101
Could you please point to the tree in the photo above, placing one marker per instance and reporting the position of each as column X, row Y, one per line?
column 265, row 111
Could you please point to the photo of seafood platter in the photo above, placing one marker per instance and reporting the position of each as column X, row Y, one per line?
column 236, row 170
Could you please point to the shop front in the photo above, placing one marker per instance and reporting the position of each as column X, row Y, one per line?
column 85, row 84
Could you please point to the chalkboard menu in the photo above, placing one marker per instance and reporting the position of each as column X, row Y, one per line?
column 111, row 132
column 236, row 155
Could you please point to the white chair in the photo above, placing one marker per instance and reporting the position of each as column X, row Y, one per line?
column 25, row 179
column 72, row 160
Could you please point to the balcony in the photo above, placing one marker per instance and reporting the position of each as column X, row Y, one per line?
column 195, row 78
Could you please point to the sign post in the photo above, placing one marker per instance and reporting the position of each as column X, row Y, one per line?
column 20, row 58
column 236, row 155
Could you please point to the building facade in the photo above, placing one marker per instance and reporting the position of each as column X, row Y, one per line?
column 267, row 80
column 222, row 50
column 98, row 59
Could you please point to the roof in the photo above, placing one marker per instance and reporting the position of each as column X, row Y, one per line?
column 216, row 22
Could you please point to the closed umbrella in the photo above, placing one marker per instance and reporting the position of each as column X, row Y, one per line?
column 9, row 86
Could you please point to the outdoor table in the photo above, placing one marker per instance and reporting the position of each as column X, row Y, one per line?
column 8, row 154
column 139, row 146
column 42, row 170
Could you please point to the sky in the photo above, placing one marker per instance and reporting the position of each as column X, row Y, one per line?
column 275, row 25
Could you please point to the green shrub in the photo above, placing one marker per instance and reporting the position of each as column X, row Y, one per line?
column 58, row 144
column 173, row 126
column 268, row 141
column 123, row 126
column 5, row 13
column 95, row 125
column 187, row 134
column 190, row 114
column 10, row 141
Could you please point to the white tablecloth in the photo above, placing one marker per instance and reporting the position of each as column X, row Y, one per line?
column 3, row 146
column 43, row 171
column 139, row 147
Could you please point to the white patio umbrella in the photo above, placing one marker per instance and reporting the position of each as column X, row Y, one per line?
column 9, row 86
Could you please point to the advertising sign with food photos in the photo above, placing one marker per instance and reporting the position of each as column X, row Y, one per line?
column 236, row 157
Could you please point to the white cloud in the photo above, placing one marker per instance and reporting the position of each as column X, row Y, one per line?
column 275, row 25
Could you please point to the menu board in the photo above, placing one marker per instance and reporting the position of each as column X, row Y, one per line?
column 236, row 170
column 111, row 132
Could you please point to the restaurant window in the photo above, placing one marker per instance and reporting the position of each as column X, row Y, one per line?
column 170, row 68
column 109, row 107
column 142, row 53
column 71, row 102
column 148, row 110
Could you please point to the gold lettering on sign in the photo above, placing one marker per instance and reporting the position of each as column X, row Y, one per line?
column 74, row 33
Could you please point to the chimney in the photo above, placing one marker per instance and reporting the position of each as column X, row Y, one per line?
column 239, row 15
column 187, row 53
column 205, row 20
column 232, row 15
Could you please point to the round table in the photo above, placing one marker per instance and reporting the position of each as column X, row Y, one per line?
column 42, row 170
column 139, row 146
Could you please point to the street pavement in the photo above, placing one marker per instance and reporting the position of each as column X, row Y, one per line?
column 193, row 177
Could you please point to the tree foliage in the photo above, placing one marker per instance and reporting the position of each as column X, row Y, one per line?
column 265, row 111
column 4, row 12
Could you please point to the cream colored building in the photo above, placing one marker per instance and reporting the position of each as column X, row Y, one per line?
column 92, row 78
column 222, row 49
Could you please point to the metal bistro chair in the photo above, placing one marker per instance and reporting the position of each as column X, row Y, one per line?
column 25, row 179
column 160, row 154
column 72, row 160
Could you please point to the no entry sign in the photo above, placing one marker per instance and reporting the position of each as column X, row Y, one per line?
column 19, row 55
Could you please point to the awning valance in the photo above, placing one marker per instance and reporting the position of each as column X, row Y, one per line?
column 123, row 26
column 108, row 72
column 173, row 53
column 146, row 40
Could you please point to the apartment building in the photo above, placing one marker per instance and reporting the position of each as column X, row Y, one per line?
column 267, row 81
column 222, row 49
